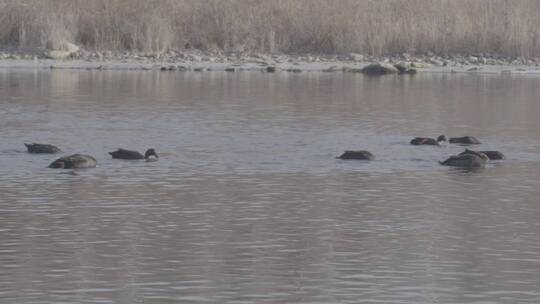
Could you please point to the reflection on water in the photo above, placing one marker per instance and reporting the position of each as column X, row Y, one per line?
column 247, row 203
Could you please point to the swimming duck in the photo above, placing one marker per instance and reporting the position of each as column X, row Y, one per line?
column 492, row 155
column 75, row 161
column 42, row 148
column 417, row 141
column 128, row 154
column 470, row 159
column 361, row 154
column 465, row 140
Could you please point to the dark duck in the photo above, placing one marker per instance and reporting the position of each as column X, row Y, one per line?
column 417, row 141
column 492, row 155
column 465, row 140
column 129, row 154
column 42, row 148
column 467, row 159
column 359, row 155
column 75, row 161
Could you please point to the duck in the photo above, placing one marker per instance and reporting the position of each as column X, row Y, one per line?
column 417, row 141
column 74, row 161
column 492, row 155
column 358, row 154
column 469, row 159
column 465, row 140
column 128, row 154
column 42, row 148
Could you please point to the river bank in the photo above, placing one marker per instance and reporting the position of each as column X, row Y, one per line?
column 215, row 61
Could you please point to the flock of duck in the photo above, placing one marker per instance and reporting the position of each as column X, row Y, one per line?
column 466, row 159
column 79, row 161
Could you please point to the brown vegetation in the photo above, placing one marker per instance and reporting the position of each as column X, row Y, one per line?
column 380, row 27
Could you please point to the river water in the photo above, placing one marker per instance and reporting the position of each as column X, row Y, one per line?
column 247, row 203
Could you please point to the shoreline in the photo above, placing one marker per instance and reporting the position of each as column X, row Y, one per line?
column 200, row 61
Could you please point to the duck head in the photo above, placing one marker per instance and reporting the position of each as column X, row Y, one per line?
column 441, row 138
column 150, row 152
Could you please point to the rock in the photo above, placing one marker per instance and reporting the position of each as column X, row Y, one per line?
column 198, row 69
column 420, row 65
column 70, row 47
column 270, row 69
column 404, row 68
column 352, row 70
column 356, row 57
column 58, row 55
column 379, row 69
column 435, row 62
column 262, row 57
column 474, row 69
column 230, row 69
column 194, row 57
column 294, row 70
column 169, row 68
column 472, row 59
column 331, row 69
column 401, row 67
column 411, row 71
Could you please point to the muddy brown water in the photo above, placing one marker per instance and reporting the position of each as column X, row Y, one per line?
column 247, row 203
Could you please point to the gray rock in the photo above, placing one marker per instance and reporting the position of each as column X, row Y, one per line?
column 404, row 68
column 379, row 69
column 352, row 70
column 71, row 47
column 169, row 68
column 194, row 57
column 270, row 69
column 356, row 57
column 419, row 65
column 401, row 67
column 435, row 62
column 58, row 55
column 331, row 69
column 411, row 71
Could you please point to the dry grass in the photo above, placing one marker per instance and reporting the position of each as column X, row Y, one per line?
column 507, row 27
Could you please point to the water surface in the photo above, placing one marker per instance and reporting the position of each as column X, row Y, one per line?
column 248, row 204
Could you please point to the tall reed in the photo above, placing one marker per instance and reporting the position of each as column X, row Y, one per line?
column 506, row 27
